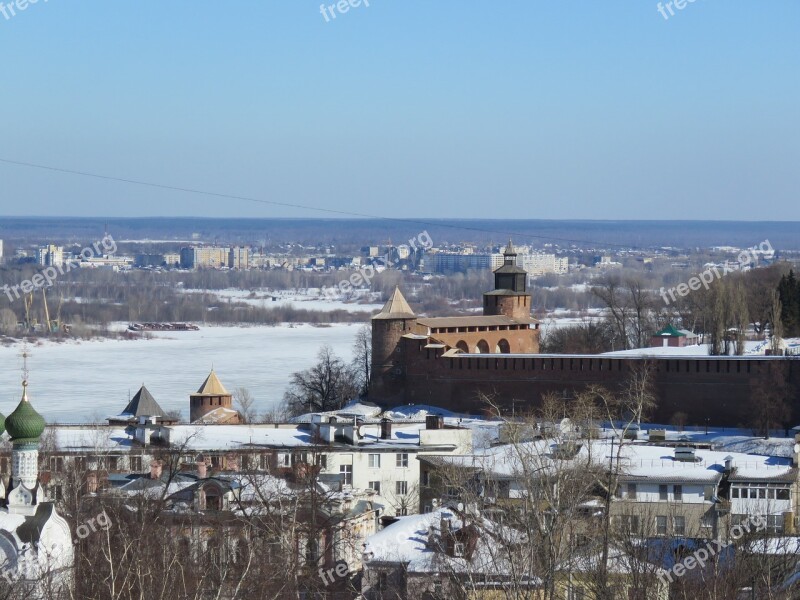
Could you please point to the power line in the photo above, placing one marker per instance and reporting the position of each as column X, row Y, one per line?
column 331, row 211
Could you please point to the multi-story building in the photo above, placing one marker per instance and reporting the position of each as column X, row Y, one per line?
column 239, row 258
column 459, row 262
column 539, row 263
column 50, row 256
column 204, row 257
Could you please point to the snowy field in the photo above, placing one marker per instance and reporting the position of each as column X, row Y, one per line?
column 310, row 299
column 76, row 382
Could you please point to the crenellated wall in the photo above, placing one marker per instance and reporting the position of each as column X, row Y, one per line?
column 714, row 388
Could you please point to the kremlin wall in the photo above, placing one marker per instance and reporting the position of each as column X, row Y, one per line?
column 455, row 362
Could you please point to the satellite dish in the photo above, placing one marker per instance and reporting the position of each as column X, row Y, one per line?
column 460, row 507
column 797, row 448
column 566, row 426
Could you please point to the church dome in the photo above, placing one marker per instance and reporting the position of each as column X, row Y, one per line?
column 24, row 424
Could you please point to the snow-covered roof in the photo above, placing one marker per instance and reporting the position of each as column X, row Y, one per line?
column 230, row 437
column 637, row 461
column 407, row 541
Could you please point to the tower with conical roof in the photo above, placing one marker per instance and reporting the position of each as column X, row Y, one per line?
column 211, row 396
column 395, row 320
column 510, row 296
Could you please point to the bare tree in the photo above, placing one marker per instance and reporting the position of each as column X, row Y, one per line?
column 8, row 321
column 245, row 404
column 362, row 358
column 328, row 385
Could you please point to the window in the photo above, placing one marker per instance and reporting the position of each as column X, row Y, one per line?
column 707, row 521
column 661, row 525
column 663, row 492
column 679, row 525
column 57, row 464
column 458, row 549
column 264, row 462
column 401, row 488
column 677, row 491
column 632, row 491
column 783, row 494
column 136, row 464
column 735, row 492
column 775, row 524
column 113, row 463
column 374, row 461
column 375, row 485
column 427, row 508
column 383, row 581
column 401, row 461
column 285, row 459
column 426, row 478
column 347, row 474
column 321, row 460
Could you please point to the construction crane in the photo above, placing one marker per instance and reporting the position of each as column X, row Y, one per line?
column 52, row 326
column 30, row 325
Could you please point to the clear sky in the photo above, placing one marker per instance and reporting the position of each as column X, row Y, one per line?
column 434, row 108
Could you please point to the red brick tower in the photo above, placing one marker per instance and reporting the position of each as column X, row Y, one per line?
column 395, row 320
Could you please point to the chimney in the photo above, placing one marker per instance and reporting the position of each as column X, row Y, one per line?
column 434, row 422
column 386, row 429
column 155, row 469
column 728, row 464
column 202, row 470
column 444, row 527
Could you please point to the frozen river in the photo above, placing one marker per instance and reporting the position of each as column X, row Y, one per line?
column 76, row 382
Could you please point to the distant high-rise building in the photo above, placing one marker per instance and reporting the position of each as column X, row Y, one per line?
column 454, row 262
column 51, row 256
column 239, row 258
column 539, row 263
column 205, row 257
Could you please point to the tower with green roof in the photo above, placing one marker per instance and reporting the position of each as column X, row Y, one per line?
column 25, row 426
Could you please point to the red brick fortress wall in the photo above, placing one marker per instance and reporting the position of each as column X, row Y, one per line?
column 715, row 388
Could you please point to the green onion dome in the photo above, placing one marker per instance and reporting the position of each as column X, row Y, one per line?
column 24, row 424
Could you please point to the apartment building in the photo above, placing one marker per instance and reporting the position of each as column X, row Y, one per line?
column 363, row 454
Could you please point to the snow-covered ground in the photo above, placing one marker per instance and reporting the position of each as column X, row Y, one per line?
column 80, row 381
column 754, row 348
column 310, row 299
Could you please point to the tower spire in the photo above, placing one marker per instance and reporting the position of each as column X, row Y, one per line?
column 25, row 354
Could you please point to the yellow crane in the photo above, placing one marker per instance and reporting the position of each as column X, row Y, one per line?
column 52, row 326
column 30, row 324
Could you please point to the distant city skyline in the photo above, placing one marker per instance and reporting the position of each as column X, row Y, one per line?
column 412, row 109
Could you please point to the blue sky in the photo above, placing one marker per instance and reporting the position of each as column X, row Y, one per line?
column 437, row 108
